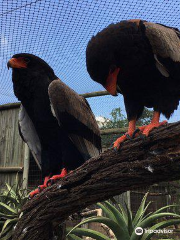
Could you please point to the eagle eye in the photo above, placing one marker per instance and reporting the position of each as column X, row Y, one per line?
column 26, row 60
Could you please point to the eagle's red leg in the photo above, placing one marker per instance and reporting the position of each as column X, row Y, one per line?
column 47, row 182
column 154, row 124
column 57, row 177
column 40, row 188
column 131, row 129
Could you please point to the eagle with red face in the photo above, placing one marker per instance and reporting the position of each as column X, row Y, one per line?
column 140, row 60
column 56, row 123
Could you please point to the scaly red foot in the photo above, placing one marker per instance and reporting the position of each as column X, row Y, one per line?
column 144, row 130
column 148, row 128
column 130, row 133
column 154, row 124
column 54, row 178
column 40, row 188
column 118, row 142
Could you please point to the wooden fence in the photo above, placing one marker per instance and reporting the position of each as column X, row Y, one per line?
column 12, row 148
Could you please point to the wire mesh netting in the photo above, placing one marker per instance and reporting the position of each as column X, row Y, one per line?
column 58, row 32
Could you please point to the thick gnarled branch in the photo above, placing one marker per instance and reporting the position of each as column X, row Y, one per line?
column 138, row 163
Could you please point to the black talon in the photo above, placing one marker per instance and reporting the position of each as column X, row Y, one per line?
column 128, row 137
column 115, row 149
column 111, row 146
column 136, row 131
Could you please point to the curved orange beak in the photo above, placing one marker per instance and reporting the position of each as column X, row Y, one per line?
column 111, row 82
column 17, row 63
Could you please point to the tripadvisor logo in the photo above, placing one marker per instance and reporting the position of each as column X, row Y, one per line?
column 140, row 231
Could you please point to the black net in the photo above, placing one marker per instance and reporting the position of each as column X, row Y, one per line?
column 58, row 32
column 35, row 176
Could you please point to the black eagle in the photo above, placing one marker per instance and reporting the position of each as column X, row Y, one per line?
column 140, row 60
column 56, row 123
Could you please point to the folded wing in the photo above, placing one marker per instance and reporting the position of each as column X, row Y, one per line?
column 165, row 44
column 74, row 115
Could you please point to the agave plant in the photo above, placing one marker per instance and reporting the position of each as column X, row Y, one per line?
column 11, row 202
column 123, row 224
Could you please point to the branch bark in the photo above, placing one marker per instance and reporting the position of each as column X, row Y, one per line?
column 138, row 163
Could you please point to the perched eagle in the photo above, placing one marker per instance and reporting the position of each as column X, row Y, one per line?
column 56, row 123
column 140, row 60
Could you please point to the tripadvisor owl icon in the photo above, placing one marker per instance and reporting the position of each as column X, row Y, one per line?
column 139, row 231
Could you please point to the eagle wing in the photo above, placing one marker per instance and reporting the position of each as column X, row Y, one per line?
column 29, row 135
column 74, row 115
column 165, row 42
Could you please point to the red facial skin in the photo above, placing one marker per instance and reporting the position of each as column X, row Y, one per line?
column 17, row 63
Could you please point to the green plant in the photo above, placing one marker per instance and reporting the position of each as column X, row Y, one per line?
column 11, row 202
column 123, row 225
column 118, row 119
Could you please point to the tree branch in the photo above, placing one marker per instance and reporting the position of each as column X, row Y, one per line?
column 138, row 163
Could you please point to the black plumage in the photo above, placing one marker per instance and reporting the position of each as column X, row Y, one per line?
column 141, row 60
column 65, row 140
column 139, row 49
